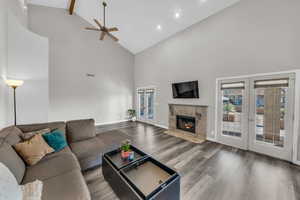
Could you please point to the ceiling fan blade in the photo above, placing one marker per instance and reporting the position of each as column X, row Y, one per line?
column 92, row 29
column 113, row 37
column 97, row 22
column 102, row 35
column 112, row 29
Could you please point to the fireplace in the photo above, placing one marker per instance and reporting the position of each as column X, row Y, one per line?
column 186, row 123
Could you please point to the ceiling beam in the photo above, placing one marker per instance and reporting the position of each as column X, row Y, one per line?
column 72, row 5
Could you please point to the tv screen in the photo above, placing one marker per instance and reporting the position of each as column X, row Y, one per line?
column 185, row 90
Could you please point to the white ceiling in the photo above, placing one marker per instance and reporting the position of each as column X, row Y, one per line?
column 138, row 19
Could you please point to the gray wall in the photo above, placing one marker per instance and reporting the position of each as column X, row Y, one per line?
column 27, row 58
column 254, row 36
column 3, row 61
column 73, row 53
column 8, row 9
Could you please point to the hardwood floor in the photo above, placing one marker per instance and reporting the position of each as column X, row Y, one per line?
column 209, row 171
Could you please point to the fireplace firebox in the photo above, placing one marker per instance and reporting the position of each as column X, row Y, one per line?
column 186, row 123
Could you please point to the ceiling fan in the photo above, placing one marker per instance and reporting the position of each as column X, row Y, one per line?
column 103, row 29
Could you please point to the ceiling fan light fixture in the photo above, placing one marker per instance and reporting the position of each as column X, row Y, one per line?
column 103, row 29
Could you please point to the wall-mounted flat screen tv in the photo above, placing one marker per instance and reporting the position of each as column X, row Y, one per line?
column 185, row 90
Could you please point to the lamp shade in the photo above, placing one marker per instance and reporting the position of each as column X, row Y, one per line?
column 14, row 83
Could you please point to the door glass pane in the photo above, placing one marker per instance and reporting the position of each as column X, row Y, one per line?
column 270, row 114
column 151, row 105
column 232, row 99
column 142, row 105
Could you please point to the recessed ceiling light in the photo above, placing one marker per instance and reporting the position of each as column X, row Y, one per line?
column 159, row 27
column 177, row 15
column 203, row 1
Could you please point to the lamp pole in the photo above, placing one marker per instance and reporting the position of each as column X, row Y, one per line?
column 15, row 105
column 14, row 84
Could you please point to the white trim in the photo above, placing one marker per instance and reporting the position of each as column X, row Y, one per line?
column 259, row 74
column 146, row 87
column 151, row 121
column 296, row 124
column 216, row 137
column 297, row 162
column 238, row 142
column 161, row 126
column 212, row 139
column 154, row 124
column 111, row 122
column 296, row 119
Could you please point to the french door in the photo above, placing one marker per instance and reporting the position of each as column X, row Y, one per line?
column 146, row 104
column 257, row 114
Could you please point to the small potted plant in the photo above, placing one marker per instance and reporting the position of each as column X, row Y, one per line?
column 132, row 115
column 126, row 152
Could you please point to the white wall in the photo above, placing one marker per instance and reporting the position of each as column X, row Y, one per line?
column 74, row 52
column 254, row 36
column 28, row 61
column 14, row 7
column 23, row 55
column 3, row 61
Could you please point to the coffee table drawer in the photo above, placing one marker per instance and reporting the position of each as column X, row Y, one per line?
column 119, row 185
column 143, row 179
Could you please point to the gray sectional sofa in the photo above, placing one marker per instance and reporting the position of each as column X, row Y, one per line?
column 61, row 172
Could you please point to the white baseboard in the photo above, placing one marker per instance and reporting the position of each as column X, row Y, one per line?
column 154, row 124
column 212, row 139
column 161, row 126
column 296, row 162
column 112, row 122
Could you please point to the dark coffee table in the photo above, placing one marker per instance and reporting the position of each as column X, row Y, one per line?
column 143, row 178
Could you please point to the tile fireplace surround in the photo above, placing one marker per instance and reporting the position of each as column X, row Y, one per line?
column 196, row 111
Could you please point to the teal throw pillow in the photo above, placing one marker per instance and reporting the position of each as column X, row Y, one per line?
column 56, row 140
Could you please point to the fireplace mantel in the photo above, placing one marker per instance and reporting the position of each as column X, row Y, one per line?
column 173, row 104
column 199, row 112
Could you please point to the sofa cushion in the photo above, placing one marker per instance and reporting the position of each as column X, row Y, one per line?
column 33, row 150
column 35, row 127
column 68, row 186
column 11, row 135
column 89, row 152
column 12, row 160
column 29, row 135
column 88, row 147
column 65, row 150
column 78, row 130
column 51, row 166
column 56, row 140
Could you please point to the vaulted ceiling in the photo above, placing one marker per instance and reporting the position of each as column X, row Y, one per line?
column 144, row 23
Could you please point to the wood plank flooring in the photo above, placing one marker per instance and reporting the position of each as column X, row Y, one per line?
column 209, row 171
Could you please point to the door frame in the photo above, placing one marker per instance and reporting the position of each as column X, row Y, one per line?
column 150, row 121
column 285, row 152
column 238, row 142
column 296, row 118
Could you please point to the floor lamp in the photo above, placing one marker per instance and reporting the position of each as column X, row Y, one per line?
column 14, row 84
